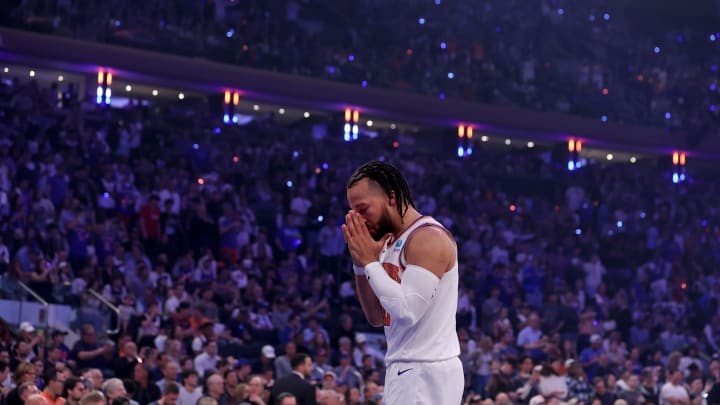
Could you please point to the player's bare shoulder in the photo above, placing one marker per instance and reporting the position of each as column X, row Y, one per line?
column 432, row 248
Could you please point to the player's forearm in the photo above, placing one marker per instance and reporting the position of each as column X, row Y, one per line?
column 407, row 301
column 368, row 301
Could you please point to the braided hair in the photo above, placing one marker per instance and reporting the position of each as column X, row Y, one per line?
column 389, row 178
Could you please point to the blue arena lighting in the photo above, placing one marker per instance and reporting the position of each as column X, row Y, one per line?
column 460, row 151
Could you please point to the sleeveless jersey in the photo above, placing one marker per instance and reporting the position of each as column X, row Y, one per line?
column 433, row 337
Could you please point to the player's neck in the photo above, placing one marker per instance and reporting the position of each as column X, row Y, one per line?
column 408, row 219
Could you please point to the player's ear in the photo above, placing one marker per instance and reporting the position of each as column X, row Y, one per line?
column 392, row 200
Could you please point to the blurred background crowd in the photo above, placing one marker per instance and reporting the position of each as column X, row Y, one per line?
column 602, row 59
column 220, row 245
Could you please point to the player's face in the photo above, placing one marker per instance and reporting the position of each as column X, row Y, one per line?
column 374, row 206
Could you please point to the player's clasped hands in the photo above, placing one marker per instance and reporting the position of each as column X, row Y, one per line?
column 363, row 248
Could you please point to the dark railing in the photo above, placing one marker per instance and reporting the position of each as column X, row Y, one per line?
column 110, row 306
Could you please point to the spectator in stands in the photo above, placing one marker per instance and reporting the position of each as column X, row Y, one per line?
column 602, row 393
column 190, row 392
column 125, row 365
column 93, row 398
column 362, row 348
column 170, row 395
column 170, row 371
column 54, row 385
column 295, row 383
column 256, row 391
column 673, row 391
column 74, row 390
column 347, row 373
column 578, row 386
column 283, row 365
column 208, row 359
column 4, row 378
column 21, row 393
column 36, row 399
column 215, row 389
column 114, row 388
column 24, row 379
column 286, row 398
column 88, row 353
column 146, row 392
column 94, row 379
column 531, row 337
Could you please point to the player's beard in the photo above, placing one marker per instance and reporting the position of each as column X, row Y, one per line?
column 384, row 225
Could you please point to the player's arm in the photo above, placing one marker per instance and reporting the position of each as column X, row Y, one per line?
column 368, row 301
column 363, row 250
column 429, row 254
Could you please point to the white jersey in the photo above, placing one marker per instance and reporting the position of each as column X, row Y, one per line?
column 433, row 337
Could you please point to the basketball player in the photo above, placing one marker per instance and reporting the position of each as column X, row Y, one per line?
column 407, row 280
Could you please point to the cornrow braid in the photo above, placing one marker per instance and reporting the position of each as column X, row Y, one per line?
column 389, row 178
